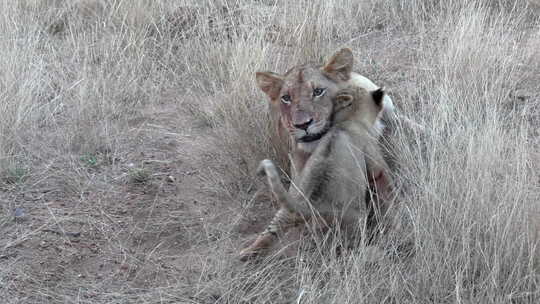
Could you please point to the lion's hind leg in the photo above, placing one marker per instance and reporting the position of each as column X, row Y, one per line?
column 281, row 195
column 283, row 220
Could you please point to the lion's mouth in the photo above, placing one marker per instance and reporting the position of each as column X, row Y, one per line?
column 311, row 137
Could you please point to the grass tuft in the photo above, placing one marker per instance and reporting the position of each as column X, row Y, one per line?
column 88, row 87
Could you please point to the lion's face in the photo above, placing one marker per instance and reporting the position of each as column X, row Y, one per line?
column 305, row 102
column 304, row 95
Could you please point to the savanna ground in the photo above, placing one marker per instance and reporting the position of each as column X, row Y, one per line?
column 130, row 130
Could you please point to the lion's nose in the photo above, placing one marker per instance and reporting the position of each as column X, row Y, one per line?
column 304, row 125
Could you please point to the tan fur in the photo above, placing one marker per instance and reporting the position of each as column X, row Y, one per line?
column 299, row 83
column 332, row 184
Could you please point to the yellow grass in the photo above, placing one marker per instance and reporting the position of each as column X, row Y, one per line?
column 138, row 124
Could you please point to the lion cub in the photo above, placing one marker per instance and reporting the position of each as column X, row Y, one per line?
column 331, row 186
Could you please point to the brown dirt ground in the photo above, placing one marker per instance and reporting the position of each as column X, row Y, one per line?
column 121, row 236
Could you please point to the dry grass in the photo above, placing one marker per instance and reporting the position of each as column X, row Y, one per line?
column 130, row 130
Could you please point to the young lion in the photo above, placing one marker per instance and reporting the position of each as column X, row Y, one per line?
column 300, row 105
column 332, row 184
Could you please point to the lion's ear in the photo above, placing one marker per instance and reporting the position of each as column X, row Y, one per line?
column 340, row 64
column 270, row 83
column 378, row 96
column 344, row 97
column 342, row 101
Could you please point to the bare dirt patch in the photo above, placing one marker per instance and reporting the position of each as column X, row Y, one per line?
column 130, row 133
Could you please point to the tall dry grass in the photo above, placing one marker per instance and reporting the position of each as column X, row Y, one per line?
column 74, row 75
column 475, row 185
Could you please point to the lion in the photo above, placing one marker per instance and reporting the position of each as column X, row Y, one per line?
column 331, row 185
column 295, row 108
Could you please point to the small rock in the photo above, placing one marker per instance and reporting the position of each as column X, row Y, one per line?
column 171, row 179
column 19, row 214
column 73, row 234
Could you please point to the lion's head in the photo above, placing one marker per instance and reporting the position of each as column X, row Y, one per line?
column 303, row 96
column 358, row 105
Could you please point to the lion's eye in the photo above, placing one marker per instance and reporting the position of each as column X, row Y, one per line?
column 318, row 92
column 286, row 99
